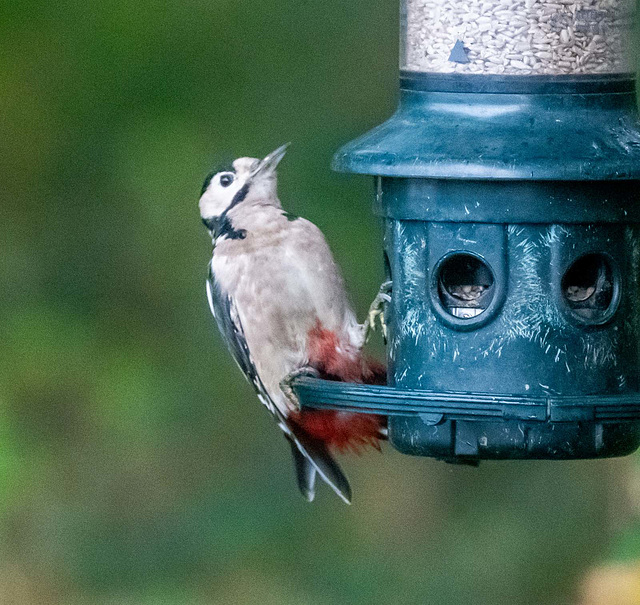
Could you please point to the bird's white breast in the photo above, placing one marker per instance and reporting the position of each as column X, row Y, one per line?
column 283, row 281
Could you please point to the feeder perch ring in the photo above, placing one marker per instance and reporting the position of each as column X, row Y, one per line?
column 503, row 426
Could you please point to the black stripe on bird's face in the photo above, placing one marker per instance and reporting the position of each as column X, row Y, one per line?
column 240, row 196
column 221, row 226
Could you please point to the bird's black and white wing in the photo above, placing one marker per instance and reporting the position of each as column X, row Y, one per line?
column 226, row 315
column 310, row 456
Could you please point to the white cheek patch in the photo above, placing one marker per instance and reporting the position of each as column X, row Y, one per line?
column 217, row 198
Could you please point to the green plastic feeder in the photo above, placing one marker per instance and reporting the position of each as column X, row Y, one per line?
column 508, row 185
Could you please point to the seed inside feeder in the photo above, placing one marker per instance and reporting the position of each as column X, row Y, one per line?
column 467, row 292
column 465, row 285
column 577, row 294
column 588, row 286
column 518, row 36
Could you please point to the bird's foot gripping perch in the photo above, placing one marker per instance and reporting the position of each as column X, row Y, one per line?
column 377, row 311
column 286, row 384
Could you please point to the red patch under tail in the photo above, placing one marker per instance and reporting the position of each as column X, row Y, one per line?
column 343, row 431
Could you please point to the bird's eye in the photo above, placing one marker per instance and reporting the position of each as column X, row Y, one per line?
column 226, row 179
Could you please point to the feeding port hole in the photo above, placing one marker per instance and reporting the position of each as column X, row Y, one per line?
column 465, row 285
column 588, row 287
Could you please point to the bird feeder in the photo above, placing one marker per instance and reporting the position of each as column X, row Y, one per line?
column 508, row 185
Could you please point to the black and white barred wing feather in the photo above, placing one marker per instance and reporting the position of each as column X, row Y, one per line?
column 226, row 315
column 310, row 455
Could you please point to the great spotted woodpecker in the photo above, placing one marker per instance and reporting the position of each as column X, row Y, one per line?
column 280, row 303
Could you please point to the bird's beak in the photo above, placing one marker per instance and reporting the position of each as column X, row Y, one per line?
column 269, row 164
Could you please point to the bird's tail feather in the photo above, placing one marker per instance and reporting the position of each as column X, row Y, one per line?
column 316, row 455
column 305, row 472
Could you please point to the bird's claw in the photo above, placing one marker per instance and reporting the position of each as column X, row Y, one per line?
column 377, row 311
column 286, row 384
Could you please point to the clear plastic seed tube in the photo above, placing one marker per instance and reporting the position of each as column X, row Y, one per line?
column 518, row 37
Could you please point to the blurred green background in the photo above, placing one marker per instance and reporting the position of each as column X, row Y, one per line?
column 136, row 466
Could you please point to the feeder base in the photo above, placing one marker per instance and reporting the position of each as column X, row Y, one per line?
column 471, row 441
column 468, row 427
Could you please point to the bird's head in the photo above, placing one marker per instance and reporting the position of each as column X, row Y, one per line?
column 246, row 180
